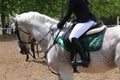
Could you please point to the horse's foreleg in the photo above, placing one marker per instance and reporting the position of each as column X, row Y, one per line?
column 60, row 63
column 66, row 72
column 65, row 75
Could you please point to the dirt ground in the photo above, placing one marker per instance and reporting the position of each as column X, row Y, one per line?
column 14, row 67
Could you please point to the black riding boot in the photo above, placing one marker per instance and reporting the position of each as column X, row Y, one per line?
column 84, row 60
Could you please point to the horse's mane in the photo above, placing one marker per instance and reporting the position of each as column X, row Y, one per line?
column 35, row 16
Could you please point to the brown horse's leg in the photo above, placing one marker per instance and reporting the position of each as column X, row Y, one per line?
column 27, row 57
column 33, row 42
column 37, row 50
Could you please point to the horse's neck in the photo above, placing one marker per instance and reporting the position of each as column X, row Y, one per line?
column 46, row 19
column 39, row 29
column 44, row 38
column 40, row 33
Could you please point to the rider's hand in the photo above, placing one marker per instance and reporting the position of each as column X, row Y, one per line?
column 60, row 25
column 54, row 27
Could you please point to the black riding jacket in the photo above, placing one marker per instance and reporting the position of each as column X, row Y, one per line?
column 80, row 9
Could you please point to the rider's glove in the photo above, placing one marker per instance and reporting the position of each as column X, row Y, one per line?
column 60, row 25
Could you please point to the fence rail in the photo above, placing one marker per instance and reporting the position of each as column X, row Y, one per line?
column 7, row 30
column 118, row 20
column 111, row 25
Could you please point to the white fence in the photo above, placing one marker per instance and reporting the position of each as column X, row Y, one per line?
column 111, row 25
column 5, row 28
column 118, row 20
column 8, row 30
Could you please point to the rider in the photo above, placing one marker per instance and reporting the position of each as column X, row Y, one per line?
column 85, row 20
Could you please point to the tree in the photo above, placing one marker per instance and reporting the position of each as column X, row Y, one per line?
column 106, row 10
column 6, row 8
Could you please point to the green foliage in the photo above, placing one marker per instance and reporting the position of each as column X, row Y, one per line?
column 106, row 10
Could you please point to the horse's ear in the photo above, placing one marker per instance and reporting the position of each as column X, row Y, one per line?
column 12, row 18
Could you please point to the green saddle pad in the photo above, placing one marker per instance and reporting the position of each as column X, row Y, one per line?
column 60, row 41
column 92, row 42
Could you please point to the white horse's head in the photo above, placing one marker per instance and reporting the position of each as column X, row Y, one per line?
column 22, row 34
column 29, row 25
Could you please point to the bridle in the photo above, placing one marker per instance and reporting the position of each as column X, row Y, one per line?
column 27, row 43
column 17, row 29
column 23, row 45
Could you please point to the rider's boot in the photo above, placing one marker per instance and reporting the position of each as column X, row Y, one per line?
column 78, row 47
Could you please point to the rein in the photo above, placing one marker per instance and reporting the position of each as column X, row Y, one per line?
column 46, row 52
column 21, row 42
column 44, row 36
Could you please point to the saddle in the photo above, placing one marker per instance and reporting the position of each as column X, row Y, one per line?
column 93, row 31
column 91, row 39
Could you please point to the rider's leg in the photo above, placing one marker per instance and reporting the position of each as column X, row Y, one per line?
column 77, row 32
column 78, row 47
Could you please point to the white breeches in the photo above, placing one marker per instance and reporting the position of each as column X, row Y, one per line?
column 80, row 28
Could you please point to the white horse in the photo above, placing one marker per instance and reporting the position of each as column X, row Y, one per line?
column 107, row 58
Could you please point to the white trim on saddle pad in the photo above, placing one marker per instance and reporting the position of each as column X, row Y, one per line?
column 96, row 30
